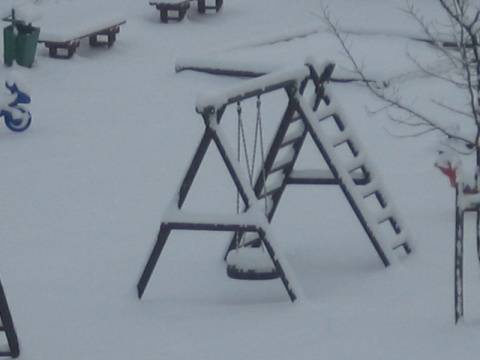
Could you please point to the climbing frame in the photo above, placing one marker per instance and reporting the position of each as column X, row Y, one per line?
column 309, row 111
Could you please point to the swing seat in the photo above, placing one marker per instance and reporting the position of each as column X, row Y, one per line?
column 250, row 263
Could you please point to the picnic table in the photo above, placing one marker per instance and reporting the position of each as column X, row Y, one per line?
column 176, row 9
column 64, row 27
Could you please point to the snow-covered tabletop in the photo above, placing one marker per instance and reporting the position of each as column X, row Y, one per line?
column 153, row 2
column 61, row 22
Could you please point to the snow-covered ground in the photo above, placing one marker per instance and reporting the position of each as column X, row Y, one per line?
column 84, row 189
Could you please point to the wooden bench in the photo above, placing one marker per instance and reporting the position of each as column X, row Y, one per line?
column 176, row 9
column 171, row 9
column 64, row 45
column 64, row 24
column 204, row 5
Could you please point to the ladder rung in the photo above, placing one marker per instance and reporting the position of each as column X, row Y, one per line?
column 385, row 214
column 283, row 162
column 280, row 167
column 324, row 114
column 272, row 185
column 369, row 189
column 292, row 138
column 399, row 240
column 356, row 163
column 269, row 192
column 341, row 137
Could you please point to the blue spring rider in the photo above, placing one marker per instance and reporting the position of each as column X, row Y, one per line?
column 16, row 115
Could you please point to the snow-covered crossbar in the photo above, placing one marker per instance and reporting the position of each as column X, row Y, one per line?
column 281, row 79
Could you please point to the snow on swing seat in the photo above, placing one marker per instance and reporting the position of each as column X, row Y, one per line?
column 244, row 263
column 250, row 263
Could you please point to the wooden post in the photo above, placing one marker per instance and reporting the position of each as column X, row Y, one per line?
column 7, row 327
column 458, row 269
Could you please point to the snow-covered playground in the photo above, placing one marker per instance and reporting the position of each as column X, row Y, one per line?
column 114, row 129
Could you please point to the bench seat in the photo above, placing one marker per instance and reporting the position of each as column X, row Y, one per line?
column 70, row 43
column 171, row 9
column 63, row 28
column 204, row 5
column 176, row 9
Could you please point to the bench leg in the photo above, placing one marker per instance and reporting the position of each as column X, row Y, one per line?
column 203, row 6
column 70, row 47
column 181, row 14
column 172, row 11
column 164, row 15
column 111, row 35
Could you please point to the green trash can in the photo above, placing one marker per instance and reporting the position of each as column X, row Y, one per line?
column 26, row 44
column 8, row 46
column 20, row 45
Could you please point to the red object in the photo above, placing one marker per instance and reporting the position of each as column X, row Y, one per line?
column 450, row 172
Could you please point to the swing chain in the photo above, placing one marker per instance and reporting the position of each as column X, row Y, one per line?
column 259, row 127
column 239, row 130
column 241, row 138
column 241, row 142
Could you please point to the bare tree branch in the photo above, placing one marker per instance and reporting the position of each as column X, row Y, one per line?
column 392, row 101
column 464, row 59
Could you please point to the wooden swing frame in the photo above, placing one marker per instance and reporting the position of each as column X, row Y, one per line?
column 294, row 82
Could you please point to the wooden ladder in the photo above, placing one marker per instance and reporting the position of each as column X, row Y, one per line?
column 351, row 169
column 347, row 166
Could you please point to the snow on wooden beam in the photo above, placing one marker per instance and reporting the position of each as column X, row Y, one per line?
column 243, row 69
column 224, row 67
column 262, row 84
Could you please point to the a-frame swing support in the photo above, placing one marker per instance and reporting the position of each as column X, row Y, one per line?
column 7, row 328
column 301, row 117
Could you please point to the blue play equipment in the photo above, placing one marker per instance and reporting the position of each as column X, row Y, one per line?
column 16, row 115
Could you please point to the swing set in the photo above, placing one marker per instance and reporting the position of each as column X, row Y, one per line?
column 262, row 176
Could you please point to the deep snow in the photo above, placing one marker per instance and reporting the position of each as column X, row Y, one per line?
column 84, row 189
